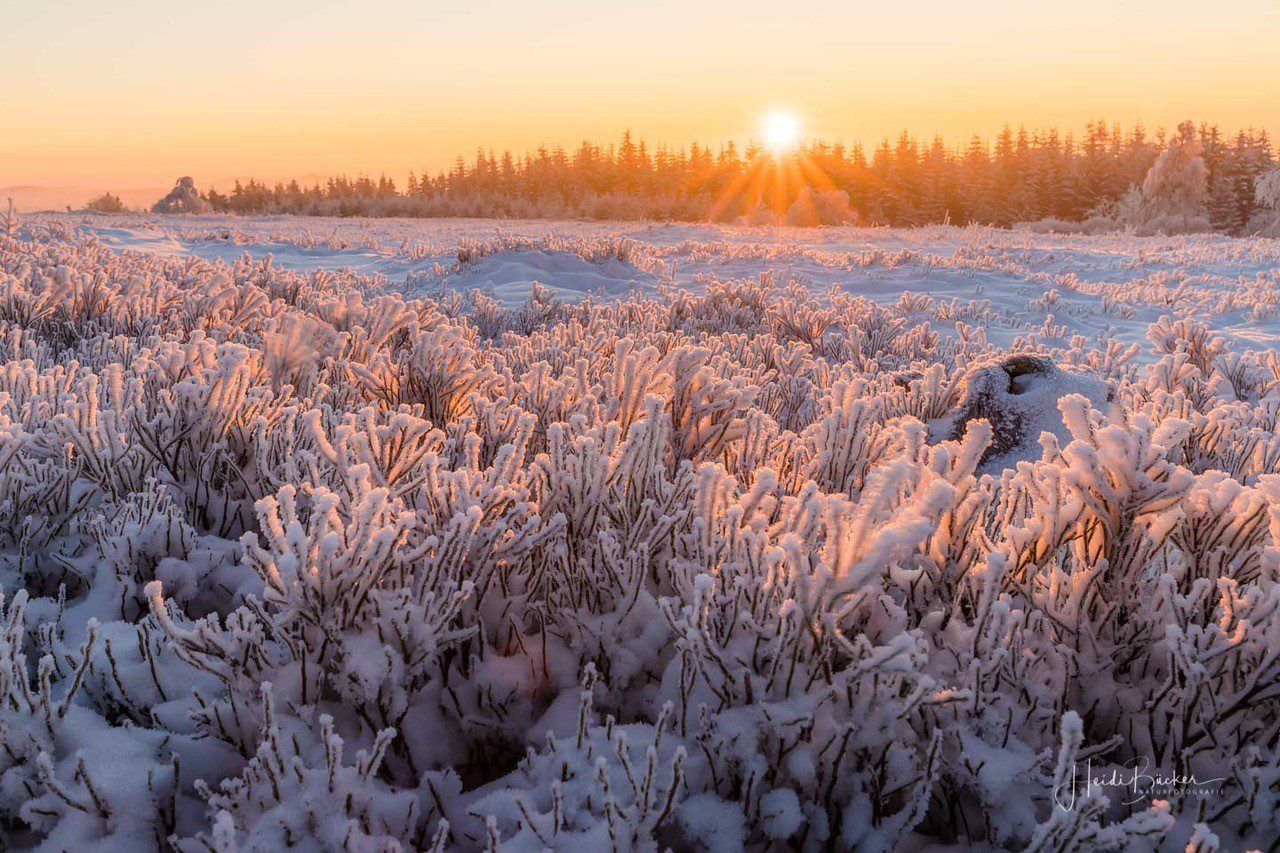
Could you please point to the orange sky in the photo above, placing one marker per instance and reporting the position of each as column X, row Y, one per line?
column 100, row 96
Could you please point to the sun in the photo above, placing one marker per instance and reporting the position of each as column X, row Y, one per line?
column 781, row 131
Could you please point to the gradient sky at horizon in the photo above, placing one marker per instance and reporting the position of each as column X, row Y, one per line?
column 125, row 96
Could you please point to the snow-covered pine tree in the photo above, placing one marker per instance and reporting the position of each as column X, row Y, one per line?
column 1175, row 191
column 1266, row 218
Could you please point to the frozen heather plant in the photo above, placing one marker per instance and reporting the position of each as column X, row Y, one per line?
column 593, row 788
column 1074, row 821
column 285, row 798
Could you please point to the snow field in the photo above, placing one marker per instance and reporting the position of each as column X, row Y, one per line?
column 516, row 536
column 1011, row 284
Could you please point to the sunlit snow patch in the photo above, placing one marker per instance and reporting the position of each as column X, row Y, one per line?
column 509, row 277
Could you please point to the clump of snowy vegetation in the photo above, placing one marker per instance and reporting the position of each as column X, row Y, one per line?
column 293, row 561
column 105, row 203
column 183, row 198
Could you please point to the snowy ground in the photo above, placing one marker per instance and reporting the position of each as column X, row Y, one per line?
column 540, row 536
column 1103, row 287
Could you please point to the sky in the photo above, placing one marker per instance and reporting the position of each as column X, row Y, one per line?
column 128, row 97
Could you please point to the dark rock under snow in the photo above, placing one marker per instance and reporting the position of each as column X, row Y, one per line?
column 1018, row 395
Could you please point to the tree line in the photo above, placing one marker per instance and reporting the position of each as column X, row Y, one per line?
column 1020, row 176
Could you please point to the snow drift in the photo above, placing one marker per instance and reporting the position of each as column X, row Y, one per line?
column 1017, row 397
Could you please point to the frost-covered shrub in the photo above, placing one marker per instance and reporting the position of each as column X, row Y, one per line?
column 105, row 203
column 183, row 198
column 820, row 207
column 292, row 560
column 9, row 220
column 280, row 800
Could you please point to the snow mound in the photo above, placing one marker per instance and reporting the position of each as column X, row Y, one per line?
column 510, row 276
column 1018, row 395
